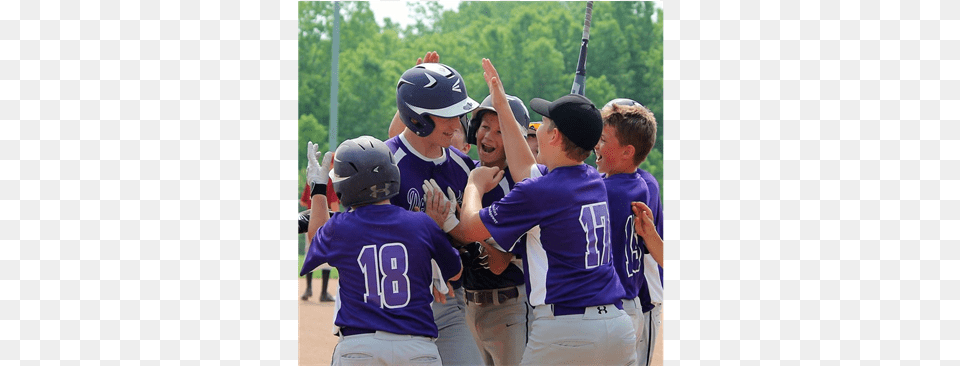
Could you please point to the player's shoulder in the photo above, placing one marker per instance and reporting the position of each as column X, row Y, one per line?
column 649, row 178
column 393, row 143
column 462, row 159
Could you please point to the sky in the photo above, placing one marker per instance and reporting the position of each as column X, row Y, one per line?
column 397, row 10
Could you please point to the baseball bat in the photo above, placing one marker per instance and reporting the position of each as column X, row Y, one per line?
column 581, row 75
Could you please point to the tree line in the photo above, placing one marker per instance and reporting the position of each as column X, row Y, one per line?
column 534, row 45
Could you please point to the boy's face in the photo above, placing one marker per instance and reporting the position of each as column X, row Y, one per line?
column 490, row 140
column 543, row 137
column 443, row 131
column 532, row 143
column 459, row 141
column 611, row 155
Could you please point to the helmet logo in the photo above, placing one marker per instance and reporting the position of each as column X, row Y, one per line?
column 432, row 81
column 376, row 169
column 374, row 191
column 437, row 68
column 456, row 86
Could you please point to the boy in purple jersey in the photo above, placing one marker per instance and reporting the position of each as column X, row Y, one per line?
column 578, row 316
column 652, row 279
column 497, row 306
column 431, row 99
column 383, row 254
column 629, row 133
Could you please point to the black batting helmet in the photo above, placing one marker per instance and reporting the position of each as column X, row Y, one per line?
column 364, row 172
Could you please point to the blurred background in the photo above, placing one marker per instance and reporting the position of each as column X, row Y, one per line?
column 534, row 45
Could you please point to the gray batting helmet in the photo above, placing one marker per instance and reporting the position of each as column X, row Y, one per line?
column 364, row 172
column 516, row 106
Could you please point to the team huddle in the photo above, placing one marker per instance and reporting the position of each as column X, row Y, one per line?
column 526, row 256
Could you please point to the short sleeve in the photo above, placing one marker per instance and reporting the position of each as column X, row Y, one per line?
column 508, row 219
column 318, row 253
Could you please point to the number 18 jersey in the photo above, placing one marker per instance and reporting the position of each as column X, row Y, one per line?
column 382, row 253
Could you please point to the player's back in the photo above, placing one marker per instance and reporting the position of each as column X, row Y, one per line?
column 627, row 252
column 567, row 256
column 383, row 253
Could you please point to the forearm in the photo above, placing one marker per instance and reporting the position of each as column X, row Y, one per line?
column 470, row 227
column 498, row 261
column 519, row 156
column 317, row 219
column 655, row 246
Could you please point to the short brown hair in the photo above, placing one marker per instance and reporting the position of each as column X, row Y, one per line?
column 569, row 148
column 635, row 126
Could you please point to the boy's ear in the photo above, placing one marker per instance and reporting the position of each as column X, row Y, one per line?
column 629, row 151
column 555, row 139
column 467, row 149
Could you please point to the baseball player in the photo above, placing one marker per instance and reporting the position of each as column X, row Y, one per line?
column 532, row 137
column 431, row 99
column 653, row 297
column 650, row 293
column 334, row 205
column 383, row 254
column 562, row 208
column 629, row 132
column 498, row 313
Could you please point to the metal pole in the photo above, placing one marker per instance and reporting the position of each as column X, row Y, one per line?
column 334, row 75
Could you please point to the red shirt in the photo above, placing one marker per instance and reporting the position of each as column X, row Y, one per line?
column 331, row 195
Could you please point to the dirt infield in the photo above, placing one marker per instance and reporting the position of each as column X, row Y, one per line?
column 316, row 318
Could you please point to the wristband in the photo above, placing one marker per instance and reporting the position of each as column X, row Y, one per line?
column 451, row 223
column 316, row 189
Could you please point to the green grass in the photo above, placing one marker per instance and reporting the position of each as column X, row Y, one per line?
column 333, row 271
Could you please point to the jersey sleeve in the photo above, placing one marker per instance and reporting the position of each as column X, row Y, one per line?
column 508, row 219
column 319, row 252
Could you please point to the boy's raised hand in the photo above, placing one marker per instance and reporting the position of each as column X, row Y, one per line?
column 430, row 57
column 493, row 79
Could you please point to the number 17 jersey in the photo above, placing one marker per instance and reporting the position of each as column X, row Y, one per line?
column 567, row 253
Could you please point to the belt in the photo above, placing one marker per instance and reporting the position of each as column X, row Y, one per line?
column 487, row 296
column 346, row 331
column 559, row 310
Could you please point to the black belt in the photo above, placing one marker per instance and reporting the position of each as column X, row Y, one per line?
column 559, row 310
column 346, row 331
column 487, row 296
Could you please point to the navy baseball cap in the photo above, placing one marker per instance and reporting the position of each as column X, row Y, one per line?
column 575, row 115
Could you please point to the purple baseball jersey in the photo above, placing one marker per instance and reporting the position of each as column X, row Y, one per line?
column 567, row 253
column 475, row 277
column 627, row 251
column 450, row 170
column 383, row 254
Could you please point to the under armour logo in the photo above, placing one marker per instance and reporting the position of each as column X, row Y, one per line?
column 601, row 309
column 374, row 191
